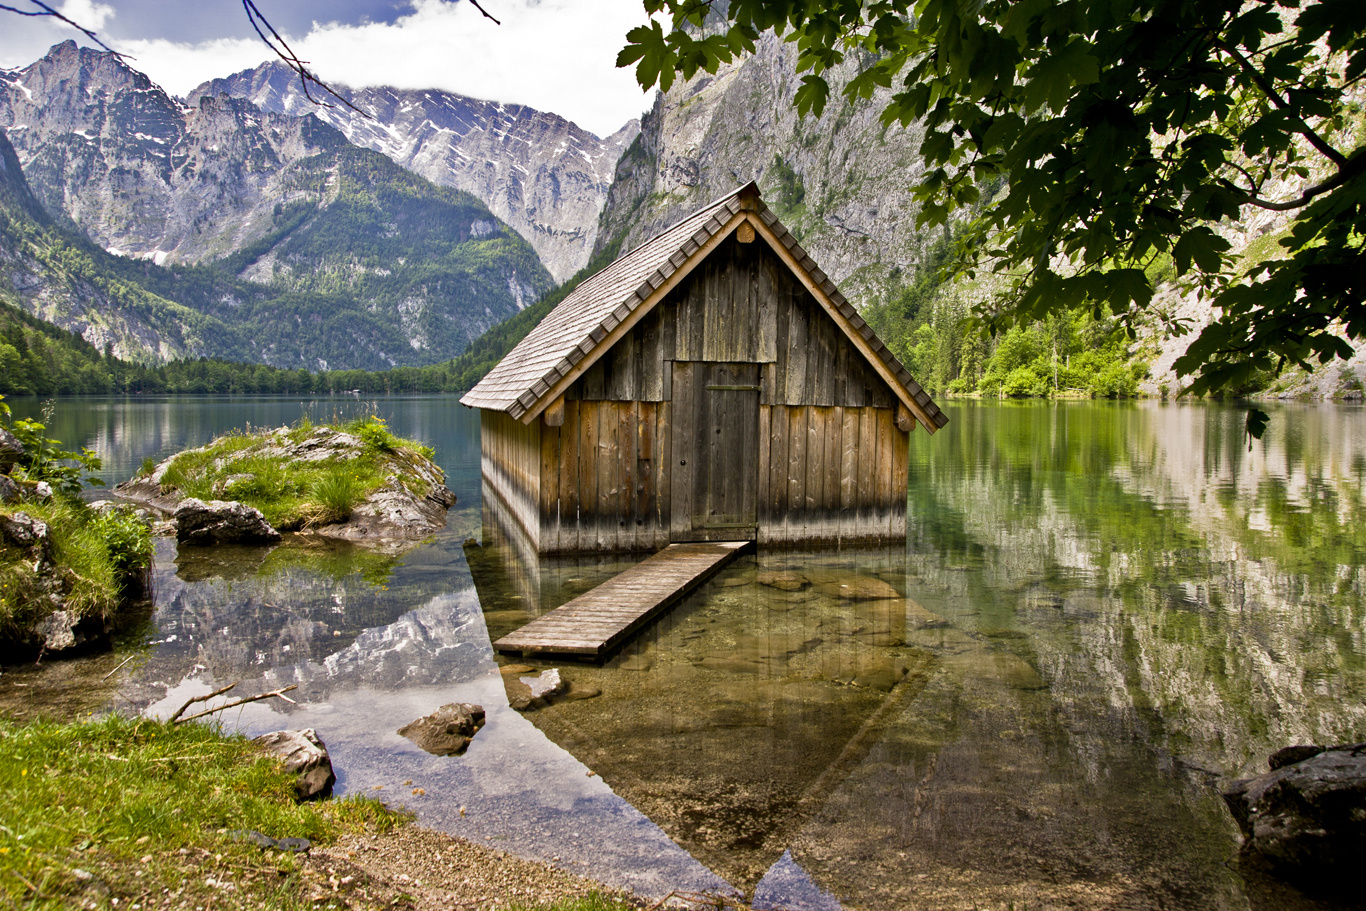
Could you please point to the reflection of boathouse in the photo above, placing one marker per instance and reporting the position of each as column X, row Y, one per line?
column 712, row 384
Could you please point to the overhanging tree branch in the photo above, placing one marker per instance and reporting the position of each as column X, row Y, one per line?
column 1269, row 90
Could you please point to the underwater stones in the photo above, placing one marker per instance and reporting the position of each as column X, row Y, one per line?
column 9, row 489
column 783, row 581
column 447, row 731
column 1307, row 815
column 531, row 692
column 305, row 755
column 988, row 664
column 579, row 693
column 917, row 617
column 785, row 600
column 221, row 522
column 851, row 586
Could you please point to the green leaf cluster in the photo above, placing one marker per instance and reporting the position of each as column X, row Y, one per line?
column 1126, row 132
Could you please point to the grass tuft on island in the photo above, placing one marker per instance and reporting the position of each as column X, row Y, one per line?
column 295, row 495
column 122, row 812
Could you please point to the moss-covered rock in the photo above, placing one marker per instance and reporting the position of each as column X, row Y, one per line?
column 354, row 482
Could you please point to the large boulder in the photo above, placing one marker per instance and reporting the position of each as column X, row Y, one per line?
column 304, row 754
column 1307, row 816
column 448, row 730
column 11, row 450
column 221, row 522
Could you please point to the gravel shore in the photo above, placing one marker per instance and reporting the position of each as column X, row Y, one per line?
column 422, row 869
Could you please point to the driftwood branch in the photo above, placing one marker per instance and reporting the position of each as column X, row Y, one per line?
column 280, row 693
column 189, row 702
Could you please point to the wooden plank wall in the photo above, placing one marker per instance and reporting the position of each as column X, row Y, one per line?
column 833, row 465
column 510, row 462
column 741, row 305
column 604, row 477
column 831, row 475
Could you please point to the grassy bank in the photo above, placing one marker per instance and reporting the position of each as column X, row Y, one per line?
column 140, row 811
column 295, row 493
column 126, row 813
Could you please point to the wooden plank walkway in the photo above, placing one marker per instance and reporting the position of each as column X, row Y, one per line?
column 604, row 617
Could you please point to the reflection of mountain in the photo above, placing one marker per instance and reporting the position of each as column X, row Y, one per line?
column 297, row 623
column 1201, row 595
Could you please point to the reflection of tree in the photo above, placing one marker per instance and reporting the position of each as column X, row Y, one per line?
column 1203, row 597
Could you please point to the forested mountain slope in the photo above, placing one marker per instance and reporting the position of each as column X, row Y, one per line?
column 311, row 252
column 542, row 174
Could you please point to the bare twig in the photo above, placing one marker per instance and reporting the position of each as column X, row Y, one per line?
column 276, row 42
column 120, row 667
column 243, row 701
column 189, row 702
column 475, row 4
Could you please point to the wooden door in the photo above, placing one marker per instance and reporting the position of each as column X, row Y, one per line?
column 715, row 471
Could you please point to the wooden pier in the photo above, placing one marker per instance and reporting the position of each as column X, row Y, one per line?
column 599, row 620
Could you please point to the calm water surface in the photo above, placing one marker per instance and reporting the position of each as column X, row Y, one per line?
column 1101, row 613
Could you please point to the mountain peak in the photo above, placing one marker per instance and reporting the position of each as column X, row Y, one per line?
column 544, row 175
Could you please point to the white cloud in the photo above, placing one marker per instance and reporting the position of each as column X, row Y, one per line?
column 23, row 39
column 554, row 55
column 88, row 13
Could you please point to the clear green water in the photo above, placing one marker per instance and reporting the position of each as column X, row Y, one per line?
column 1101, row 613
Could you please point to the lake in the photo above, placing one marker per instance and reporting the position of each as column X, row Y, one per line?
column 1102, row 612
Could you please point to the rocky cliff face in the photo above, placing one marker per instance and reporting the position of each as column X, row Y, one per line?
column 840, row 182
column 141, row 173
column 46, row 271
column 540, row 173
column 313, row 252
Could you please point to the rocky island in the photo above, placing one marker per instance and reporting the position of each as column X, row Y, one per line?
column 353, row 482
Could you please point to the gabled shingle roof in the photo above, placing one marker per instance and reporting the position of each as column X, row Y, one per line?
column 576, row 328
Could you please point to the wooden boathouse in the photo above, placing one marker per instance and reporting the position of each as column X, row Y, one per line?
column 710, row 385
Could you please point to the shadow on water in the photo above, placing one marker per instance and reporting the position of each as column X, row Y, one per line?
column 1102, row 613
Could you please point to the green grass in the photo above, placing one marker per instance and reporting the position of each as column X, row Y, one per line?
column 295, row 495
column 98, row 555
column 141, row 811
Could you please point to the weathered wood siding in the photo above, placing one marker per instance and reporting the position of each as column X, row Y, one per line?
column 831, row 462
column 740, row 305
column 604, row 481
column 831, row 475
column 510, row 462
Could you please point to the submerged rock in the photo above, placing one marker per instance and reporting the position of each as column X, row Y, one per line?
column 221, row 522
column 531, row 692
column 304, row 754
column 9, row 489
column 1307, row 816
column 447, row 731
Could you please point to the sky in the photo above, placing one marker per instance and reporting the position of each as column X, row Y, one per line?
column 554, row 55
